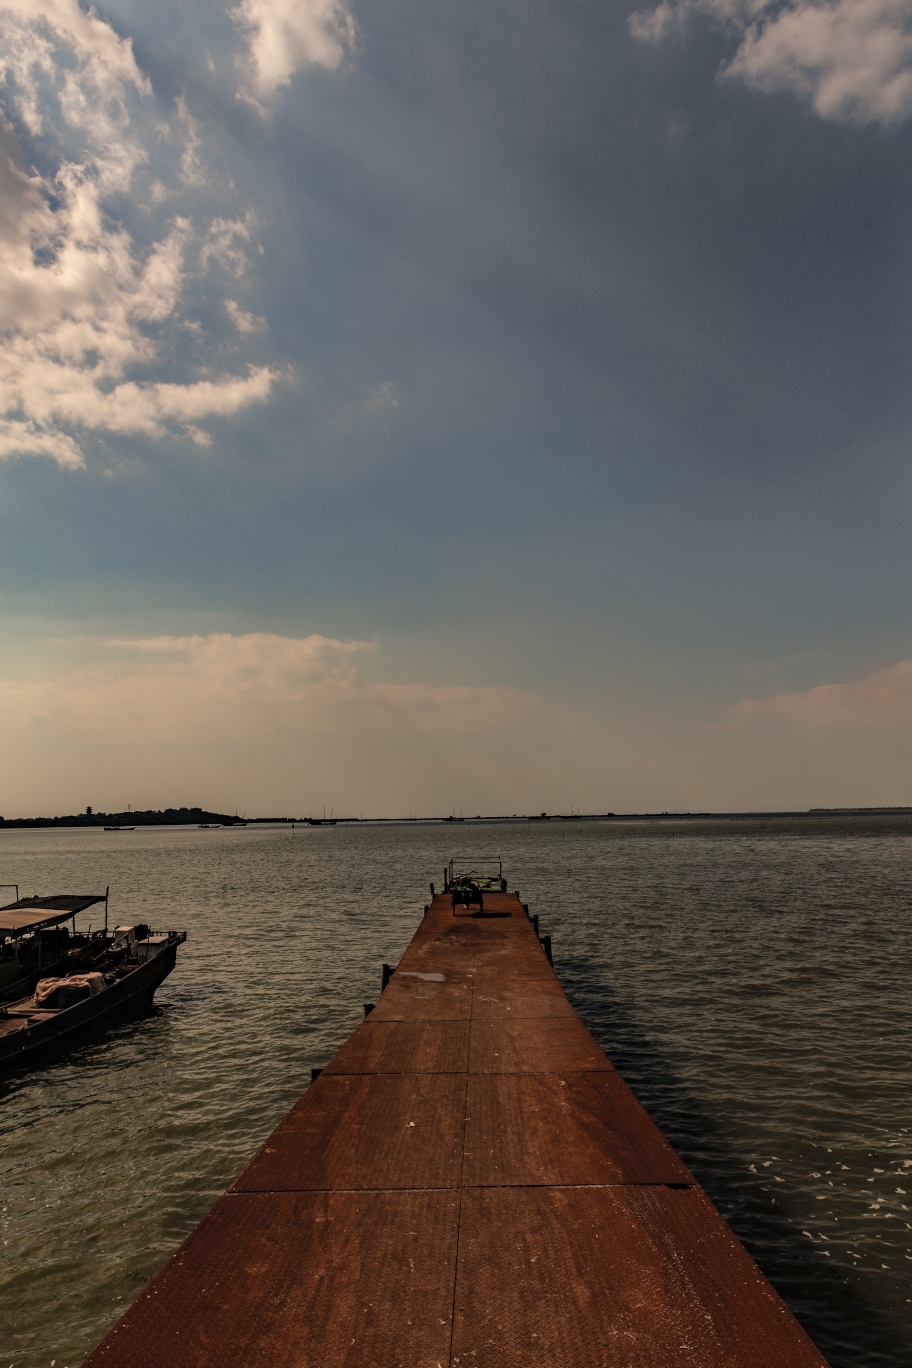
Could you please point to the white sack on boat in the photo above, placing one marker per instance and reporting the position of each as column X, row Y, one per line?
column 94, row 982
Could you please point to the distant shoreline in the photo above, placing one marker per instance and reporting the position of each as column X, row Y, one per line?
column 202, row 817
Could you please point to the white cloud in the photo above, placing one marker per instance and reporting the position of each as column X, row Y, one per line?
column 243, row 321
column 85, row 309
column 881, row 698
column 226, row 244
column 285, row 36
column 192, row 168
column 149, row 408
column 851, row 59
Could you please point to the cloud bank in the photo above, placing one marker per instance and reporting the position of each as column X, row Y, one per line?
column 91, row 308
column 283, row 722
column 883, row 698
column 850, row 59
column 280, row 724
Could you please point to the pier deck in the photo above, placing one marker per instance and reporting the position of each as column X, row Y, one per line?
column 468, row 1182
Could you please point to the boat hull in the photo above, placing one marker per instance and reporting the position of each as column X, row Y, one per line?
column 133, row 993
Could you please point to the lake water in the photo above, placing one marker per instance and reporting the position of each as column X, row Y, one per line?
column 751, row 981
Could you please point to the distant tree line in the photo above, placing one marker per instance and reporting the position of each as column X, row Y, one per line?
column 165, row 817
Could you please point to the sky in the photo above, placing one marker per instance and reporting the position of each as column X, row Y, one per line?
column 455, row 407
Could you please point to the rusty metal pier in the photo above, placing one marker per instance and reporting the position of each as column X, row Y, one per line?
column 468, row 1182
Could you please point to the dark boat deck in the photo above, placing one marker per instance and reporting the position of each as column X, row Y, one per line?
column 468, row 1182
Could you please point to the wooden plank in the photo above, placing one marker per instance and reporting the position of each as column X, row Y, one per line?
column 519, row 966
column 568, row 1129
column 644, row 1277
column 365, row 1131
column 404, row 1047
column 453, row 944
column 495, row 997
column 547, row 1045
column 294, row 1280
column 411, row 997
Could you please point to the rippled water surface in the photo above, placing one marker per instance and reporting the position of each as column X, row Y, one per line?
column 750, row 981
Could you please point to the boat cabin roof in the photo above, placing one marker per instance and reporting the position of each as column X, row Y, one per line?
column 29, row 913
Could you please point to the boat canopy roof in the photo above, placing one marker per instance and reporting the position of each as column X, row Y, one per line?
column 29, row 913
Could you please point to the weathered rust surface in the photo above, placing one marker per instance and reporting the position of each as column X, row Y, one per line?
column 565, row 1129
column 365, row 1131
column 496, row 998
column 413, row 996
column 404, row 1047
column 468, row 1182
column 533, row 1045
column 644, row 1277
column 301, row 1280
column 446, row 938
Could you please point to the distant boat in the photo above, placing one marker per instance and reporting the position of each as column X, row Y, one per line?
column 208, row 826
column 120, row 828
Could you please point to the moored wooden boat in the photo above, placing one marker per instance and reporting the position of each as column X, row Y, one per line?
column 34, row 937
column 88, row 977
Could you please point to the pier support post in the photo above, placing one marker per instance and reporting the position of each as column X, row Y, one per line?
column 385, row 975
column 546, row 946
